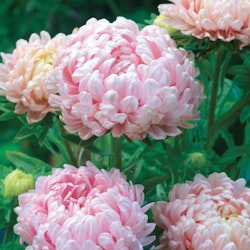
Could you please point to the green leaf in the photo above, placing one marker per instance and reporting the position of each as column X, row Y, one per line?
column 237, row 151
column 22, row 134
column 47, row 144
column 27, row 163
column 6, row 105
column 43, row 135
column 244, row 165
column 72, row 138
column 147, row 141
column 53, row 140
column 245, row 114
column 2, row 216
column 152, row 182
column 4, row 172
column 96, row 150
column 88, row 142
column 7, row 116
column 228, row 118
column 78, row 141
column 135, row 158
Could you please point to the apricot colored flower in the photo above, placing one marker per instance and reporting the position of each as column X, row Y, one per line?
column 208, row 213
column 226, row 20
column 84, row 208
column 113, row 77
column 23, row 74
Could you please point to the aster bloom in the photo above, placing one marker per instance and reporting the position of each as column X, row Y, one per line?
column 23, row 74
column 226, row 20
column 113, row 77
column 208, row 213
column 17, row 182
column 84, row 208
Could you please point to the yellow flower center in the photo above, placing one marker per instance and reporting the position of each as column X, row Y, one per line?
column 45, row 61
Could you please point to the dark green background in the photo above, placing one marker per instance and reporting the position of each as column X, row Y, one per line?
column 18, row 19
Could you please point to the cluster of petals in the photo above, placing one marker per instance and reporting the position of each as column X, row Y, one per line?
column 23, row 74
column 208, row 213
column 84, row 208
column 114, row 77
column 226, row 20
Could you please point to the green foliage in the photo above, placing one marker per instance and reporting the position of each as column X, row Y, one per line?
column 205, row 47
column 28, row 164
column 241, row 72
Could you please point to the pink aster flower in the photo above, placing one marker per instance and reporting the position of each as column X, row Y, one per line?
column 23, row 74
column 82, row 209
column 208, row 213
column 113, row 77
column 226, row 20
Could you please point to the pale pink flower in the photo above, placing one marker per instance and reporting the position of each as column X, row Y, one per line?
column 84, row 208
column 23, row 74
column 113, row 77
column 226, row 20
column 209, row 213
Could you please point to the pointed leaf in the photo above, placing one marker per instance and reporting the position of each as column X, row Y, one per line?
column 72, row 138
column 152, row 182
column 96, row 150
column 27, row 163
column 22, row 134
column 237, row 151
column 7, row 116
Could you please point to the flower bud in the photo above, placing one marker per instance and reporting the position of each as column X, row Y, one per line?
column 196, row 160
column 160, row 21
column 17, row 182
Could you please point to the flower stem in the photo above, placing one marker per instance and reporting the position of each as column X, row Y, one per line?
column 228, row 118
column 9, row 227
column 67, row 146
column 116, row 156
column 214, row 93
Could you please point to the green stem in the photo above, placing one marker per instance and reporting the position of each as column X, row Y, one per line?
column 214, row 93
column 67, row 146
column 12, row 221
column 224, row 101
column 227, row 119
column 116, row 156
column 224, row 68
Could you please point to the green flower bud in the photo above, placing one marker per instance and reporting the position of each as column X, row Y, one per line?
column 196, row 160
column 160, row 21
column 17, row 182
